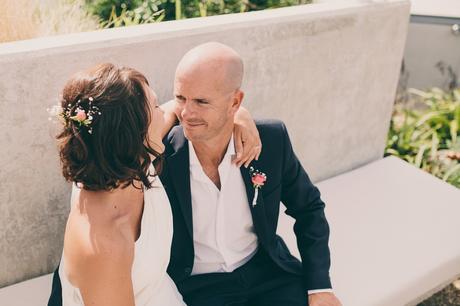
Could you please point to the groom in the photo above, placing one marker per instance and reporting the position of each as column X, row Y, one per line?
column 225, row 250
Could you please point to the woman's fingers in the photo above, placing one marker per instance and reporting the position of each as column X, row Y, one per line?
column 238, row 145
column 249, row 160
column 247, row 144
column 246, row 153
column 259, row 149
column 251, row 156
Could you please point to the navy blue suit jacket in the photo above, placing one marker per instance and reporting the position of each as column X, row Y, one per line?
column 287, row 182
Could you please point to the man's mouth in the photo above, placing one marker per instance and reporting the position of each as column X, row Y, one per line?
column 192, row 124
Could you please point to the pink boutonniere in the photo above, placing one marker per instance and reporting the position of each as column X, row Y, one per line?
column 258, row 180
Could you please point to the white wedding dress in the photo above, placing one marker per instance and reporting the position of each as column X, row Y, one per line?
column 152, row 285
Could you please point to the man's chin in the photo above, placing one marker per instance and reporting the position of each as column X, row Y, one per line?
column 192, row 135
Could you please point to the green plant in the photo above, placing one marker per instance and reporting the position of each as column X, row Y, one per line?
column 425, row 132
column 201, row 8
column 147, row 12
column 180, row 9
column 103, row 8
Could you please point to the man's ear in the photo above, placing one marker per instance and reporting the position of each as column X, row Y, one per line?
column 237, row 99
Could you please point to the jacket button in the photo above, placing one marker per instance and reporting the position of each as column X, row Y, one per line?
column 188, row 270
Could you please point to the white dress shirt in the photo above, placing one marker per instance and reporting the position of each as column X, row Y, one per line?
column 223, row 231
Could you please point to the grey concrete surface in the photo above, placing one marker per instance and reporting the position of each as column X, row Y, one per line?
column 32, row 292
column 429, row 43
column 394, row 233
column 328, row 70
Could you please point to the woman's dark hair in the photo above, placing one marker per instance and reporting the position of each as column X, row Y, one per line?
column 112, row 150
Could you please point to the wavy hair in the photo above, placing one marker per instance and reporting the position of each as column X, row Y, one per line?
column 116, row 151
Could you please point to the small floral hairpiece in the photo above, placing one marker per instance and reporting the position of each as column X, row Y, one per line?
column 81, row 116
column 258, row 180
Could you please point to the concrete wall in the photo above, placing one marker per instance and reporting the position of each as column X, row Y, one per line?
column 328, row 70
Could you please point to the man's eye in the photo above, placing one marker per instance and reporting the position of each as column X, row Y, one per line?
column 201, row 102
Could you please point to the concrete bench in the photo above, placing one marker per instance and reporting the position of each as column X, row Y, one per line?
column 394, row 233
column 394, row 237
column 33, row 292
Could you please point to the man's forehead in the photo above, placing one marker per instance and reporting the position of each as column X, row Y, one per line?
column 201, row 72
column 200, row 83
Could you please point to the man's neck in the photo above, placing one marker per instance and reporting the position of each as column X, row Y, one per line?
column 211, row 152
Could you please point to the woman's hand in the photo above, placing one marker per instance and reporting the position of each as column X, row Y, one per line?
column 169, row 116
column 246, row 137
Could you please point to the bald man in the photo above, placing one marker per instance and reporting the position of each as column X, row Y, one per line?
column 225, row 250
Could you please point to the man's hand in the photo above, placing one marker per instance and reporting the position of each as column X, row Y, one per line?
column 323, row 299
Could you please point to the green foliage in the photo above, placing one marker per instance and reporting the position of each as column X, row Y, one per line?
column 425, row 131
column 103, row 8
column 148, row 12
column 202, row 8
column 124, row 12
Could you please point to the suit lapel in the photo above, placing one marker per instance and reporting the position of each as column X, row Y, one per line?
column 257, row 211
column 179, row 165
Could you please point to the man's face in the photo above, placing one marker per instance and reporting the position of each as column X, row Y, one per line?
column 205, row 106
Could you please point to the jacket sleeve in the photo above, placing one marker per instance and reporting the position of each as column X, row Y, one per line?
column 303, row 203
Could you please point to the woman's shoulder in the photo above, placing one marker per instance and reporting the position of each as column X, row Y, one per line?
column 97, row 239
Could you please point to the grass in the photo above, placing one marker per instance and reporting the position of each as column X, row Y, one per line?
column 25, row 19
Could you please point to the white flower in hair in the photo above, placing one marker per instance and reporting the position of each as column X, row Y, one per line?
column 81, row 116
column 54, row 111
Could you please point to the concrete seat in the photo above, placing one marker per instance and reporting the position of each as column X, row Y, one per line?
column 33, row 292
column 394, row 237
column 394, row 233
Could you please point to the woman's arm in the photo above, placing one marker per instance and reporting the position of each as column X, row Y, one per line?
column 246, row 137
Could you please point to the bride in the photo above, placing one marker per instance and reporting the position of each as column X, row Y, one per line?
column 118, row 235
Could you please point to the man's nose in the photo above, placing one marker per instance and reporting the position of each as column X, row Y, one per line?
column 186, row 109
